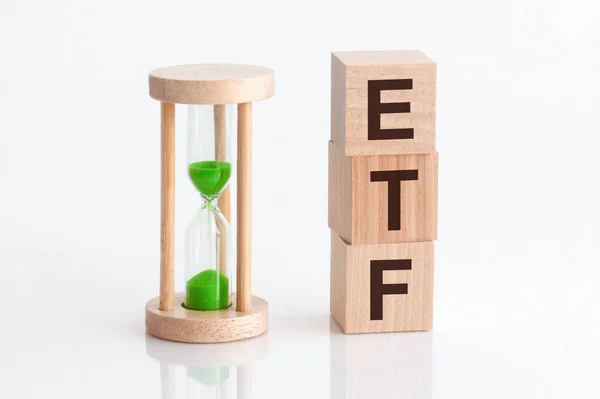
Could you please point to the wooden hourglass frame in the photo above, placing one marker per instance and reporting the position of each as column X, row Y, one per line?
column 216, row 85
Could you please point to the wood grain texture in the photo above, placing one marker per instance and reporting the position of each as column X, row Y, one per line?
column 350, row 73
column 167, row 218
column 340, row 213
column 183, row 325
column 338, row 280
column 350, row 286
column 220, row 123
column 212, row 84
column 358, row 207
column 244, row 210
column 338, row 102
column 225, row 202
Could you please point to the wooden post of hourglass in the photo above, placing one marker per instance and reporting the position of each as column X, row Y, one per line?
column 224, row 198
column 167, row 217
column 244, row 216
column 216, row 85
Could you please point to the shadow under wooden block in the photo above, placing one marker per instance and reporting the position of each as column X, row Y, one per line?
column 382, row 287
column 383, row 102
column 383, row 199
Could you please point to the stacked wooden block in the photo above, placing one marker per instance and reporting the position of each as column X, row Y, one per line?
column 383, row 182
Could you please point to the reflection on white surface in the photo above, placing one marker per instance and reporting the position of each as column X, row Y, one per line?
column 211, row 371
column 208, row 381
column 167, row 380
column 388, row 365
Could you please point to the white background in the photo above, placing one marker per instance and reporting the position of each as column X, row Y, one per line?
column 517, row 266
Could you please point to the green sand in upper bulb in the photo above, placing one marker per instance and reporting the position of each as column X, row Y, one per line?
column 210, row 177
column 207, row 290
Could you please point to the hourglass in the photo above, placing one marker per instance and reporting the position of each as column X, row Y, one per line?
column 208, row 240
column 216, row 263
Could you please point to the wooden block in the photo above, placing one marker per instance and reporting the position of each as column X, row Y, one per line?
column 383, row 102
column 383, row 199
column 382, row 287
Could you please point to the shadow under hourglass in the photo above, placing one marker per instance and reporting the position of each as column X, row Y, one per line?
column 215, row 371
column 385, row 365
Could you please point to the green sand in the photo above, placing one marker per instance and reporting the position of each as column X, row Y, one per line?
column 210, row 177
column 207, row 290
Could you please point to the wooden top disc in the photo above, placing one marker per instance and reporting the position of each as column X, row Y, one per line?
column 212, row 84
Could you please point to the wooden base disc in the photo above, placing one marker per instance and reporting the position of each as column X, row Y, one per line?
column 194, row 326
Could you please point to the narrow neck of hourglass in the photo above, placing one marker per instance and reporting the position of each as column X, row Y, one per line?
column 210, row 201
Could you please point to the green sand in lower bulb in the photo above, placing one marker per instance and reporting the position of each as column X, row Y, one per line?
column 207, row 290
column 210, row 177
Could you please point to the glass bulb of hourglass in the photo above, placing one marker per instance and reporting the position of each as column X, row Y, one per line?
column 208, row 238
column 210, row 177
column 210, row 246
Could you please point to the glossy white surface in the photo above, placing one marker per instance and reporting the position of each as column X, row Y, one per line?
column 68, row 332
